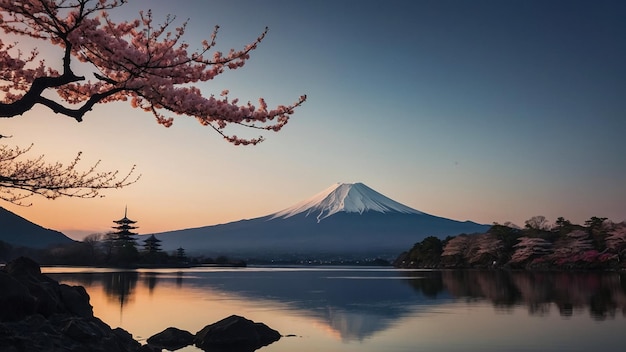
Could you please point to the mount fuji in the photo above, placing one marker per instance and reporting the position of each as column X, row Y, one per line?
column 345, row 221
column 345, row 197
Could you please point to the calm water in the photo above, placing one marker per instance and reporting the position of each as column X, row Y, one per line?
column 370, row 309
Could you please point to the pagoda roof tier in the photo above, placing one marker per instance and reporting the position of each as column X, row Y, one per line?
column 152, row 239
column 124, row 227
column 124, row 220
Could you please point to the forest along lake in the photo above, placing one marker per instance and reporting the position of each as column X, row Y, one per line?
column 369, row 309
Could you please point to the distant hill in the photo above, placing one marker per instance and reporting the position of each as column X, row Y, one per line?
column 20, row 232
column 347, row 220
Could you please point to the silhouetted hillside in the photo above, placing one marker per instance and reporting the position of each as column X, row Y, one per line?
column 20, row 232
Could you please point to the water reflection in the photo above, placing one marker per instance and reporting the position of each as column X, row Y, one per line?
column 120, row 286
column 358, row 304
column 602, row 294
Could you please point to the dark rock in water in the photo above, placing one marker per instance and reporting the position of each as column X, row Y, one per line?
column 171, row 339
column 23, row 267
column 15, row 299
column 39, row 314
column 76, row 300
column 150, row 348
column 235, row 333
column 49, row 296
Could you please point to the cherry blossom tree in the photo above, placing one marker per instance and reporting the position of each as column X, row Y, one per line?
column 488, row 247
column 572, row 247
column 138, row 61
column 147, row 64
column 616, row 240
column 478, row 249
column 530, row 247
column 456, row 246
column 459, row 250
column 20, row 179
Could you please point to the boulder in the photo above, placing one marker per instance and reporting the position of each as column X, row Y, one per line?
column 16, row 302
column 39, row 314
column 171, row 339
column 44, row 290
column 235, row 333
column 76, row 300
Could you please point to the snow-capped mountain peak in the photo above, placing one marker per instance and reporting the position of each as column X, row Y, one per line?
column 344, row 197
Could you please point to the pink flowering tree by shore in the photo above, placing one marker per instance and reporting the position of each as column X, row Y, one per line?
column 529, row 248
column 598, row 245
column 140, row 62
column 616, row 240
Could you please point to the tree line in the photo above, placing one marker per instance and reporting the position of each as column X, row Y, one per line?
column 597, row 244
column 112, row 250
column 98, row 250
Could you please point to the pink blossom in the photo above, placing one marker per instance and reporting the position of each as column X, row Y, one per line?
column 147, row 64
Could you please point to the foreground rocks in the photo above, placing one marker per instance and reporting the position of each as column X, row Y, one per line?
column 171, row 339
column 235, row 333
column 37, row 314
column 231, row 334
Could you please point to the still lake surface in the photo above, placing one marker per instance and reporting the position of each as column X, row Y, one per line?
column 369, row 309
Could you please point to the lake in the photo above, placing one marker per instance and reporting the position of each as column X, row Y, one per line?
column 369, row 309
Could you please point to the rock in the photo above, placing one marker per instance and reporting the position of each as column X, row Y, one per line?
column 23, row 267
column 44, row 290
column 171, row 339
column 80, row 330
column 76, row 300
column 16, row 302
column 150, row 348
column 235, row 333
column 39, row 314
column 267, row 335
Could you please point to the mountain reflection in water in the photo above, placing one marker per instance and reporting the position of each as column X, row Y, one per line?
column 360, row 303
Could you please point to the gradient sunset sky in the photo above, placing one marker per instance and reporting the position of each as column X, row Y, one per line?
column 489, row 111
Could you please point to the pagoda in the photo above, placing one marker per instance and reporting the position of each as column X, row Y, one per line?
column 124, row 237
column 152, row 245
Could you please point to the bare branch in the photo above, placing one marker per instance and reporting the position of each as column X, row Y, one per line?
column 22, row 178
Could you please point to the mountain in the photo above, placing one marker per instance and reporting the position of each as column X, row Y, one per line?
column 346, row 220
column 20, row 232
column 348, row 198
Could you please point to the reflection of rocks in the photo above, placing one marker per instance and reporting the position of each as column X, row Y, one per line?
column 39, row 314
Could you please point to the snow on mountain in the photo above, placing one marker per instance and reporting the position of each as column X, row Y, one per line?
column 345, row 221
column 344, row 197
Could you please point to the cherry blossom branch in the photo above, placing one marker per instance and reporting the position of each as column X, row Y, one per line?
column 135, row 61
column 20, row 179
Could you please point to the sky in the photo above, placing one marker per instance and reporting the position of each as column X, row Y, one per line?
column 487, row 110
